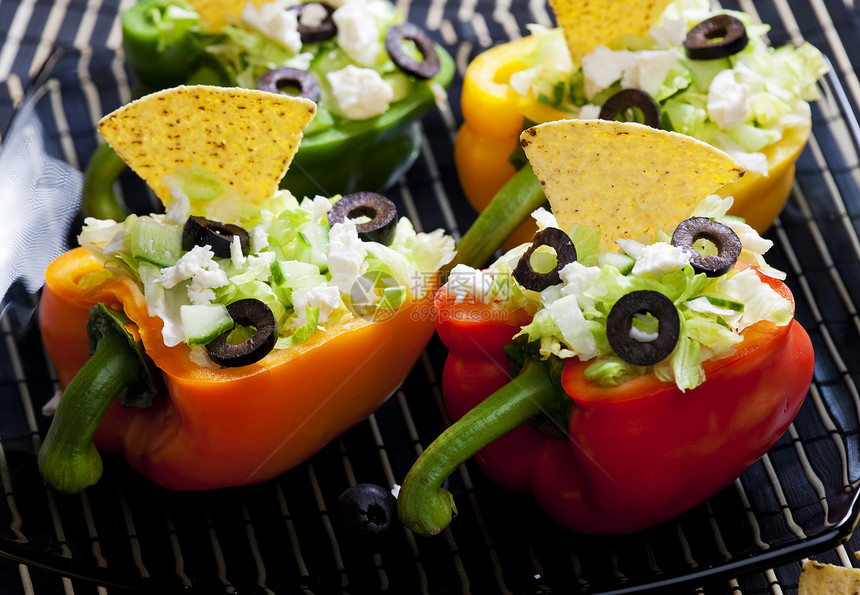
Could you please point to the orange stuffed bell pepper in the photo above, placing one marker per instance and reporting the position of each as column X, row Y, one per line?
column 749, row 100
column 620, row 367
column 242, row 329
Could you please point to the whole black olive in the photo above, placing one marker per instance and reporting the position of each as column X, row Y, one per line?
column 369, row 515
column 565, row 253
column 380, row 212
column 199, row 231
column 425, row 68
column 633, row 98
column 717, row 37
column 723, row 237
column 248, row 312
column 278, row 80
column 620, row 320
column 326, row 29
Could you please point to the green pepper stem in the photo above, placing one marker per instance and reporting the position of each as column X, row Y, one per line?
column 422, row 504
column 68, row 460
column 98, row 198
column 511, row 205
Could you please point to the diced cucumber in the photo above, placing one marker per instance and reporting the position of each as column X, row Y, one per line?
column 293, row 274
column 622, row 262
column 203, row 322
column 722, row 302
column 155, row 242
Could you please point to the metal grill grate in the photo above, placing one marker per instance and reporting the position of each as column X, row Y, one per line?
column 281, row 536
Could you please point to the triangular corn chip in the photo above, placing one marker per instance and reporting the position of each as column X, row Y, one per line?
column 590, row 23
column 245, row 138
column 628, row 179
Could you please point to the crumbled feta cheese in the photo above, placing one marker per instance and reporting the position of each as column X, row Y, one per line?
column 670, row 33
column 301, row 61
column 317, row 206
column 577, row 279
column 260, row 237
column 360, row 93
column 465, row 282
column 346, row 254
column 313, row 15
column 643, row 70
column 589, row 111
column 544, row 218
column 274, row 21
column 325, row 297
column 179, row 208
column 357, row 31
column 648, row 70
column 727, row 100
column 660, row 258
column 204, row 273
column 602, row 67
column 236, row 252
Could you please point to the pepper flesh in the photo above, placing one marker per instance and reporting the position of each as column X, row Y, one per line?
column 494, row 115
column 216, row 428
column 633, row 455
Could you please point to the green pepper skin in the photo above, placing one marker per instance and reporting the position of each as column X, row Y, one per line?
column 158, row 65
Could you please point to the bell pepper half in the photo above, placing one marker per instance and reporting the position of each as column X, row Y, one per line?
column 601, row 460
column 494, row 115
column 370, row 154
column 215, row 428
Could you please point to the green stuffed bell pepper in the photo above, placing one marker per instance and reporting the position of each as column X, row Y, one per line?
column 371, row 74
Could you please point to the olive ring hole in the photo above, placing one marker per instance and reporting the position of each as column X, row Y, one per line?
column 428, row 66
column 637, row 347
column 713, row 246
column 544, row 243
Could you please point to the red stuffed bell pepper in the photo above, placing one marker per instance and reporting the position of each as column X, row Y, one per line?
column 619, row 387
column 676, row 448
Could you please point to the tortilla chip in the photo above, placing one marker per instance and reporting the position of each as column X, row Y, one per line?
column 820, row 579
column 628, row 179
column 246, row 138
column 217, row 13
column 590, row 23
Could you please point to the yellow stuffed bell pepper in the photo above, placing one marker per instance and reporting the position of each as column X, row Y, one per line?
column 757, row 109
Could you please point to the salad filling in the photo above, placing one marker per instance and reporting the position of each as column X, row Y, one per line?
column 570, row 316
column 311, row 273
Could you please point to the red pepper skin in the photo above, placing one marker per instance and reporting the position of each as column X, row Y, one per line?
column 224, row 427
column 643, row 452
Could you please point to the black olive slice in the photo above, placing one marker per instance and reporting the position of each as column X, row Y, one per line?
column 199, row 231
column 632, row 98
column 620, row 320
column 369, row 515
column 717, row 37
column 726, row 241
column 326, row 29
column 565, row 253
column 248, row 312
column 283, row 79
column 381, row 212
column 425, row 68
